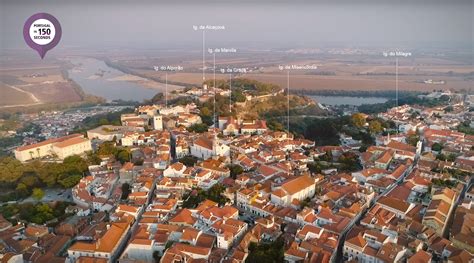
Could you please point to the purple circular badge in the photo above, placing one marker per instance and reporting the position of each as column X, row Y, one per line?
column 42, row 32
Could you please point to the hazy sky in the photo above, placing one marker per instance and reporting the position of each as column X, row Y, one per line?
column 165, row 24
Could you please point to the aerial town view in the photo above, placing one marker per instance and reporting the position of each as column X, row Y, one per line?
column 236, row 131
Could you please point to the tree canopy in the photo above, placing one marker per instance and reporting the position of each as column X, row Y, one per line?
column 37, row 194
column 375, row 126
column 358, row 119
column 19, row 179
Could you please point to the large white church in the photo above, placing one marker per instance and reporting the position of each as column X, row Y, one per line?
column 206, row 147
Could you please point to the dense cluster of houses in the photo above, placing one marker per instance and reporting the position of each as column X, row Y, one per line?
column 405, row 203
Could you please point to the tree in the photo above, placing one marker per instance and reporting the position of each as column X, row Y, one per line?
column 198, row 127
column 75, row 164
column 441, row 157
column 305, row 202
column 159, row 97
column 21, row 191
column 451, row 157
column 92, row 158
column 29, row 180
column 103, row 121
column 358, row 119
column 349, row 162
column 107, row 149
column 125, row 191
column 196, row 196
column 238, row 96
column 235, row 170
column 156, row 256
column 70, row 180
column 206, row 115
column 37, row 214
column 37, row 194
column 123, row 156
column 189, row 161
column 323, row 131
column 436, row 147
column 375, row 126
column 263, row 252
column 314, row 167
column 11, row 169
column 327, row 157
column 413, row 139
column 275, row 125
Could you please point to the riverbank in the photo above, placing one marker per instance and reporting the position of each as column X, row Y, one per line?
column 110, row 84
column 128, row 71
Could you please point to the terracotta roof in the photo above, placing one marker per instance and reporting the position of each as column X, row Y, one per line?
column 266, row 170
column 107, row 243
column 177, row 166
column 394, row 203
column 185, row 248
column 297, row 184
column 449, row 193
column 46, row 142
column 399, row 171
column 358, row 241
column 69, row 142
column 420, row 257
column 401, row 146
column 183, row 217
column 204, row 142
column 309, row 229
column 371, row 171
column 386, row 157
column 91, row 260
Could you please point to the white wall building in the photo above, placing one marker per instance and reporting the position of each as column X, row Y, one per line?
column 62, row 147
column 206, row 148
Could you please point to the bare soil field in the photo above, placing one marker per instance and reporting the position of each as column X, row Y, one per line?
column 11, row 96
column 44, row 79
column 335, row 72
column 353, row 83
column 55, row 92
column 338, row 82
column 26, row 84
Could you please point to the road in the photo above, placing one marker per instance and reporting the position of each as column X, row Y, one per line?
column 135, row 225
column 51, row 195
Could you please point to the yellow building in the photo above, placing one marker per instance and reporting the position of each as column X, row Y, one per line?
column 298, row 188
column 438, row 212
column 61, row 147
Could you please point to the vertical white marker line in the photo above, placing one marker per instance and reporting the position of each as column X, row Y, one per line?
column 166, row 89
column 396, row 79
column 230, row 92
column 203, row 54
column 288, row 117
column 214, row 90
column 396, row 83
column 288, row 109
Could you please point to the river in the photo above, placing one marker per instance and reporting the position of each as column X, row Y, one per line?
column 347, row 100
column 96, row 78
